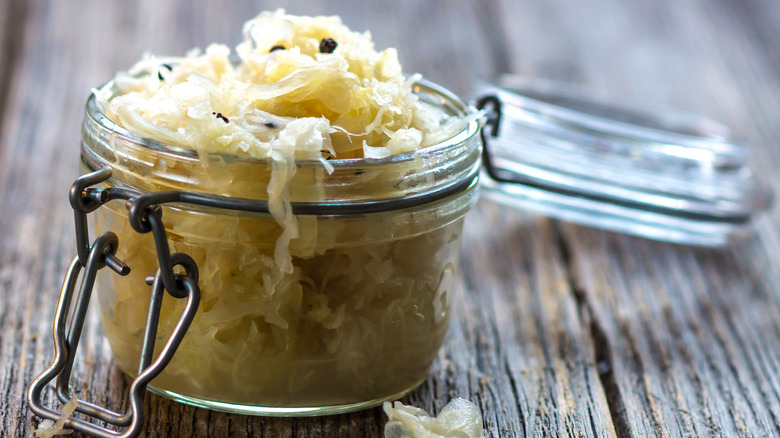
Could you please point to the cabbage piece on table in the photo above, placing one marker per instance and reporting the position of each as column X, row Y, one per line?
column 48, row 428
column 459, row 419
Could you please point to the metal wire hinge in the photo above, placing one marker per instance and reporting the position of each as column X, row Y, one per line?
column 493, row 103
column 145, row 216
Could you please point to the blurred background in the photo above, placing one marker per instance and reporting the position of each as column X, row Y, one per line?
column 699, row 56
column 716, row 59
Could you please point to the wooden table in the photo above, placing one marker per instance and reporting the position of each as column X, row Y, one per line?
column 560, row 330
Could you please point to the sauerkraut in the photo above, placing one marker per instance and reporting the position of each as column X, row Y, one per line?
column 49, row 429
column 285, row 101
column 361, row 316
column 460, row 418
column 284, row 97
column 296, row 310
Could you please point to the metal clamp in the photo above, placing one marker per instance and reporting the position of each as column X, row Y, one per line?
column 92, row 258
column 493, row 123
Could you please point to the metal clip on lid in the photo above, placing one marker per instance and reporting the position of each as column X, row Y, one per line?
column 555, row 150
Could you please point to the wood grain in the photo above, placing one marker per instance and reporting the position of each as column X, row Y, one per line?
column 677, row 330
column 536, row 359
column 560, row 330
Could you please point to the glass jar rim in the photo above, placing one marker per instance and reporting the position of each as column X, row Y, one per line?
column 448, row 99
column 352, row 185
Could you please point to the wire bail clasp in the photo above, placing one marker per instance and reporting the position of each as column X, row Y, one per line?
column 91, row 258
column 493, row 123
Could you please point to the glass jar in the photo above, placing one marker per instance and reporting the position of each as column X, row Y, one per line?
column 356, row 319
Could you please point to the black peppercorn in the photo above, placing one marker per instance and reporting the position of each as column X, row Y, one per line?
column 327, row 45
column 220, row 116
column 270, row 125
column 276, row 47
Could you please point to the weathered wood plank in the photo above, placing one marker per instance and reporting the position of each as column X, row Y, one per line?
column 33, row 227
column 534, row 354
column 687, row 337
column 680, row 327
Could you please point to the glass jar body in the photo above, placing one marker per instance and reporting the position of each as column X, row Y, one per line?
column 356, row 318
column 360, row 318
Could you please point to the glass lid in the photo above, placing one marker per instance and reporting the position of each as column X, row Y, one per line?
column 556, row 150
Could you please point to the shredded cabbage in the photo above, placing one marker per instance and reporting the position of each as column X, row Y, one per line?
column 360, row 317
column 285, row 105
column 295, row 310
column 460, row 418
column 48, row 428
column 348, row 100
